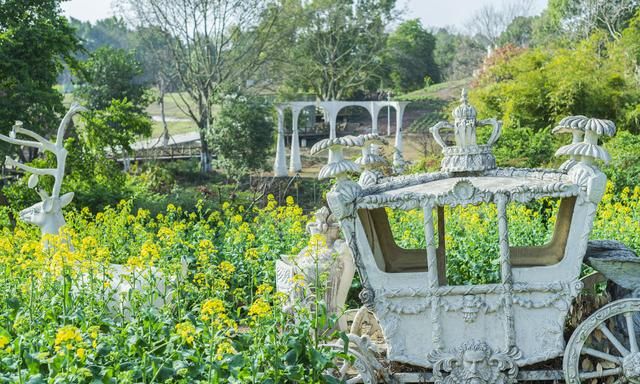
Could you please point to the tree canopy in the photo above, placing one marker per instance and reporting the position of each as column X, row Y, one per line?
column 112, row 89
column 215, row 48
column 409, row 57
column 337, row 47
column 36, row 42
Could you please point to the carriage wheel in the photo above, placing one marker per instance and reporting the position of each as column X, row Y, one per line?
column 601, row 350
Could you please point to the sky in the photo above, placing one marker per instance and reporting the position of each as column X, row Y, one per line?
column 433, row 13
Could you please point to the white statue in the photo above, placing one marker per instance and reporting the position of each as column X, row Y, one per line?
column 46, row 214
column 333, row 260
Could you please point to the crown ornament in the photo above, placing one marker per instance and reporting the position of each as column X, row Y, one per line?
column 466, row 155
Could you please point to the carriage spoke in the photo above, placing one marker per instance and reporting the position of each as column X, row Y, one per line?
column 632, row 332
column 602, row 355
column 599, row 374
column 616, row 343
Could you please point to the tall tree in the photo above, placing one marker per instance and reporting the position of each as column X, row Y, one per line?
column 242, row 138
column 457, row 55
column 214, row 46
column 111, row 73
column 410, row 57
column 579, row 18
column 488, row 22
column 151, row 50
column 112, row 32
column 35, row 43
column 338, row 46
column 519, row 32
column 113, row 90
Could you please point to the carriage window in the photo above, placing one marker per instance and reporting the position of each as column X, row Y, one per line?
column 396, row 239
column 472, row 245
column 538, row 231
column 531, row 224
column 407, row 228
column 467, row 239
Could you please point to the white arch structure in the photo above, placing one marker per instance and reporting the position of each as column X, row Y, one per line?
column 331, row 108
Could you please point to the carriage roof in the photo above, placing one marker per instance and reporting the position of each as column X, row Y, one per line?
column 450, row 189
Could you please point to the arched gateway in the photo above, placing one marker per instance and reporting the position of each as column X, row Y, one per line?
column 331, row 108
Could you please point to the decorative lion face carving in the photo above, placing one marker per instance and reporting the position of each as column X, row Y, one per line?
column 475, row 368
column 474, row 363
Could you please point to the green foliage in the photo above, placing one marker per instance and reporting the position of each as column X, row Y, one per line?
column 116, row 98
column 532, row 90
column 519, row 32
column 116, row 126
column 336, row 47
column 624, row 169
column 524, row 147
column 110, row 32
column 35, row 42
column 410, row 57
column 457, row 55
column 242, row 136
column 578, row 19
column 221, row 322
column 109, row 74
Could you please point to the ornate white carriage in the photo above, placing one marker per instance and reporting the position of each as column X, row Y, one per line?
column 491, row 333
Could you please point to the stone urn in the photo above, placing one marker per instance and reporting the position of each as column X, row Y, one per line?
column 325, row 266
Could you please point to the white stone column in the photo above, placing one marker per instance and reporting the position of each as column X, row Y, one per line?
column 280, row 165
column 398, row 159
column 388, row 120
column 332, row 108
column 295, row 164
column 374, row 111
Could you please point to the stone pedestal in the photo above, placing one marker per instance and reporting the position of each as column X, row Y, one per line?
column 326, row 260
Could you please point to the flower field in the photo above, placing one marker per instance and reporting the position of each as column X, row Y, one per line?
column 63, row 319
column 205, row 309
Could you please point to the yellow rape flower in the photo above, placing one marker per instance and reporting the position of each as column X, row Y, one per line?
column 165, row 233
column 224, row 348
column 67, row 337
column 211, row 308
column 4, row 341
column 259, row 308
column 298, row 279
column 186, row 331
column 264, row 289
column 226, row 268
column 236, row 219
column 89, row 242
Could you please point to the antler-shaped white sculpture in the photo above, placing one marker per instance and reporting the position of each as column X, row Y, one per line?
column 46, row 214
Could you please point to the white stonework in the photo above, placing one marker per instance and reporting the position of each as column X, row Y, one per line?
column 46, row 214
column 331, row 110
column 490, row 333
column 331, row 264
